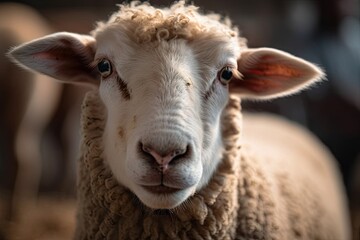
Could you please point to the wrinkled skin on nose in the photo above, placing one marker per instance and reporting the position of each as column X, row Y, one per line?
column 163, row 158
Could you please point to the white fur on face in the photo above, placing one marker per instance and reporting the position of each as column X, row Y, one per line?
column 175, row 102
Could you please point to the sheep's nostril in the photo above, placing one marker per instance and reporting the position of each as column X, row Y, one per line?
column 165, row 156
column 178, row 152
column 145, row 148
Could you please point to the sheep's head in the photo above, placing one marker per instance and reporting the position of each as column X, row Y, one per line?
column 164, row 77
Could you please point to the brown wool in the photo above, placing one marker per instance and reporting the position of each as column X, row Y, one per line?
column 103, row 204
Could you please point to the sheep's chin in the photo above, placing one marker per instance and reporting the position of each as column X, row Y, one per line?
column 163, row 201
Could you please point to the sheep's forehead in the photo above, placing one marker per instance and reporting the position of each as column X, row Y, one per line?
column 166, row 60
column 144, row 23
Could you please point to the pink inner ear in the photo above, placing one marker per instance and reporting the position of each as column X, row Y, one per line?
column 273, row 70
column 67, row 62
column 258, row 85
column 267, row 75
column 63, row 56
column 65, row 50
column 44, row 55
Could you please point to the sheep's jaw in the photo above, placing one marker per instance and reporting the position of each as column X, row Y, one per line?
column 162, row 196
column 160, row 188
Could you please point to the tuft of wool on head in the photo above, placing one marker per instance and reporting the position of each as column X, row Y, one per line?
column 144, row 23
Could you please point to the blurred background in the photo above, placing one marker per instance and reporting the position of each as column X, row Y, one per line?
column 39, row 118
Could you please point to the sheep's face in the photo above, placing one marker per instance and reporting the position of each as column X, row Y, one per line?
column 165, row 96
column 164, row 102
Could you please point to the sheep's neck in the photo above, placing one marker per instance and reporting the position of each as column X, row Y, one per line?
column 109, row 211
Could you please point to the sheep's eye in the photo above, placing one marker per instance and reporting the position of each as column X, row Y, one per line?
column 104, row 67
column 225, row 75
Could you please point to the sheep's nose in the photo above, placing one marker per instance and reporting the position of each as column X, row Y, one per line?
column 163, row 157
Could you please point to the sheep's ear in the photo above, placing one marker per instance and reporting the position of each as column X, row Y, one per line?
column 270, row 73
column 63, row 56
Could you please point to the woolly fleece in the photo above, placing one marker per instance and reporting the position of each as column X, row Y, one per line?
column 240, row 201
column 104, row 204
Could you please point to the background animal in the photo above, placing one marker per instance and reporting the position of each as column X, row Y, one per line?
column 29, row 102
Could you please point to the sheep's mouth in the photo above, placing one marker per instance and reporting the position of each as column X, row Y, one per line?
column 161, row 189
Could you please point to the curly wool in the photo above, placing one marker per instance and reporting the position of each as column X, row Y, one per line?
column 243, row 200
column 144, row 23
column 107, row 209
column 103, row 204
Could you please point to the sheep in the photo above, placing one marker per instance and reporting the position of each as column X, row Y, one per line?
column 24, row 112
column 164, row 153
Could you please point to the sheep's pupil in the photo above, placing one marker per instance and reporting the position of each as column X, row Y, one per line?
column 226, row 74
column 104, row 66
